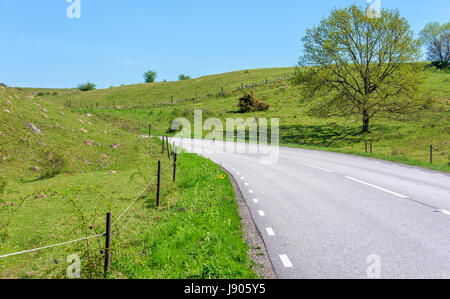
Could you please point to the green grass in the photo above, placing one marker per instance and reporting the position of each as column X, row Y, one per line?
column 37, row 211
column 402, row 141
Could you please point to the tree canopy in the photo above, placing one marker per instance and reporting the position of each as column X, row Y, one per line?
column 357, row 65
column 436, row 38
column 183, row 77
column 150, row 76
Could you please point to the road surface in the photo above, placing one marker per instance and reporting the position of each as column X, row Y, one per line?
column 331, row 215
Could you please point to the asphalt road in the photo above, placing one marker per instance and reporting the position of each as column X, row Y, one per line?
column 330, row 215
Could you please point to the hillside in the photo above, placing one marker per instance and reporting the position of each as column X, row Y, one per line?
column 406, row 141
column 62, row 169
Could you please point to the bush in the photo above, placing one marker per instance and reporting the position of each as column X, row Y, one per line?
column 86, row 86
column 183, row 77
column 3, row 85
column 440, row 64
column 52, row 164
column 248, row 103
column 150, row 76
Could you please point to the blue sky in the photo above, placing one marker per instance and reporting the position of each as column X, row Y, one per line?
column 115, row 42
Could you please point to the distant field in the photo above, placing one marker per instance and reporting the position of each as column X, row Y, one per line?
column 406, row 142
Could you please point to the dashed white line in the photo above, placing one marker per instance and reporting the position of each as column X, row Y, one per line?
column 242, row 178
column 377, row 187
column 261, row 213
column 270, row 231
column 320, row 168
column 238, row 173
column 444, row 212
column 246, row 184
column 250, row 191
column 285, row 260
column 255, row 200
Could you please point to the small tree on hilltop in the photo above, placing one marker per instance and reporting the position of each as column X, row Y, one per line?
column 150, row 76
column 183, row 77
column 86, row 86
column 355, row 65
column 436, row 38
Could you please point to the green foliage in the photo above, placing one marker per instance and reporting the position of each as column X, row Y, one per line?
column 3, row 85
column 183, row 77
column 354, row 65
column 249, row 103
column 436, row 38
column 52, row 164
column 150, row 76
column 86, row 86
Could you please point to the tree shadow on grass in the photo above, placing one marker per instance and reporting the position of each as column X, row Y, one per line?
column 326, row 135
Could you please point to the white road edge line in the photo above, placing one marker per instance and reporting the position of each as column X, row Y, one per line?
column 250, row 191
column 444, row 212
column 242, row 178
column 270, row 231
column 246, row 184
column 261, row 213
column 376, row 187
column 255, row 200
column 285, row 260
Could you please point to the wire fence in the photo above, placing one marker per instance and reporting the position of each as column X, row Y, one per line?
column 147, row 187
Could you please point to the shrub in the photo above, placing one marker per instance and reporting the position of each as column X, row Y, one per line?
column 52, row 164
column 183, row 77
column 440, row 64
column 150, row 76
column 249, row 103
column 3, row 85
column 86, row 86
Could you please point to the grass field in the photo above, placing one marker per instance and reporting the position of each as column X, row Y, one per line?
column 401, row 141
column 58, row 186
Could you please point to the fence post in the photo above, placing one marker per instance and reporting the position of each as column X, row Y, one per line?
column 371, row 147
column 158, row 184
column 168, row 148
column 149, row 131
column 431, row 154
column 365, row 143
column 108, row 243
column 163, row 141
column 174, row 165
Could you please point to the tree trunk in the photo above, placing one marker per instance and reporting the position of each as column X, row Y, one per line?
column 366, row 122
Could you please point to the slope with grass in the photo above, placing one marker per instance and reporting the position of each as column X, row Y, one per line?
column 58, row 182
column 401, row 141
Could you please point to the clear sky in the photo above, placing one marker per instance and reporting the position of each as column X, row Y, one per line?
column 116, row 41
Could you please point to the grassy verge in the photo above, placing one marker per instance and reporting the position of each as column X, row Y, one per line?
column 198, row 237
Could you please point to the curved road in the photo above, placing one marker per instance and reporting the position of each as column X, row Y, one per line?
column 330, row 215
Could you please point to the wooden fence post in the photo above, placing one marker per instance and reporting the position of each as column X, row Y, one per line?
column 371, row 147
column 108, row 243
column 431, row 154
column 365, row 143
column 158, row 184
column 174, row 165
column 149, row 131
column 168, row 148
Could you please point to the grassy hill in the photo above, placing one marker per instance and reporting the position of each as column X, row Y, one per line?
column 406, row 141
column 58, row 181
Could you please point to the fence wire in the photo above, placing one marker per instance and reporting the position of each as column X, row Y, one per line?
column 85, row 238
